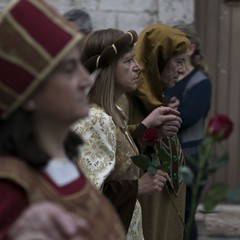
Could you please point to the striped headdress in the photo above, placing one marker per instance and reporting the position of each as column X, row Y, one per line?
column 34, row 38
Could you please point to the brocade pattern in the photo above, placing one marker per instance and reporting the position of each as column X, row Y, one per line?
column 106, row 154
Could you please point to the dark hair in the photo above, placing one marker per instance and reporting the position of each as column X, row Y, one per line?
column 103, row 47
column 82, row 19
column 18, row 138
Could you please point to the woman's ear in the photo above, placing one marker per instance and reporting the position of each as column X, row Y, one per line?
column 29, row 105
column 191, row 49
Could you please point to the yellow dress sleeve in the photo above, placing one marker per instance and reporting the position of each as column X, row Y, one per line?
column 97, row 155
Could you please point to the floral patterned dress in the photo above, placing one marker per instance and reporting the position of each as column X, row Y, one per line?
column 106, row 155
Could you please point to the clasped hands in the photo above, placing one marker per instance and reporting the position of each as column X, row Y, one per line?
column 165, row 119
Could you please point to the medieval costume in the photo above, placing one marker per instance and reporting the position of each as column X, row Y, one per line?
column 35, row 44
column 105, row 159
column 60, row 182
column 156, row 45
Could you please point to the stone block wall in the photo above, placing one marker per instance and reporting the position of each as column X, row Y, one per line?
column 128, row 14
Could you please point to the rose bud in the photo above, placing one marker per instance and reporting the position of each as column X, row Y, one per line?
column 220, row 127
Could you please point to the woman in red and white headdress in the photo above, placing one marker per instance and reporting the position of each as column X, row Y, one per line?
column 43, row 91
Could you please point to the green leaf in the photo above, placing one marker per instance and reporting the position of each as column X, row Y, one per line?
column 163, row 156
column 233, row 195
column 165, row 167
column 154, row 156
column 186, row 174
column 214, row 195
column 155, row 163
column 142, row 161
column 152, row 170
column 218, row 163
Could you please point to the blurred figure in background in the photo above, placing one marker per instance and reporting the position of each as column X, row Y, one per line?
column 191, row 96
column 81, row 18
column 43, row 91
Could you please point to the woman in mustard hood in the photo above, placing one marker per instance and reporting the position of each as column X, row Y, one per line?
column 160, row 52
column 156, row 46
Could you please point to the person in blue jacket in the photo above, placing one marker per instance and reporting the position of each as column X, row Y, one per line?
column 191, row 96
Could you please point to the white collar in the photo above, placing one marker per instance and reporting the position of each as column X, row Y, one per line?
column 62, row 171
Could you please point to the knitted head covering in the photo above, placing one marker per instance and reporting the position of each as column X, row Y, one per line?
column 157, row 43
column 34, row 39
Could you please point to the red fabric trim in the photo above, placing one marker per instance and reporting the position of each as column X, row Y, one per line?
column 13, row 202
column 24, row 12
column 14, row 77
column 68, row 189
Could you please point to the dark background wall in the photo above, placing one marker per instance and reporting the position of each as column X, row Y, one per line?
column 218, row 24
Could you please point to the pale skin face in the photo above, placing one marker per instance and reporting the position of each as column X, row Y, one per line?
column 173, row 68
column 63, row 95
column 59, row 102
column 183, row 71
column 127, row 73
column 188, row 65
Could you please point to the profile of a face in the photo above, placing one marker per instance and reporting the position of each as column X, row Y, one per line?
column 127, row 73
column 174, row 67
column 63, row 96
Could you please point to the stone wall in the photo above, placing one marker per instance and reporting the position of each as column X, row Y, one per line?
column 128, row 14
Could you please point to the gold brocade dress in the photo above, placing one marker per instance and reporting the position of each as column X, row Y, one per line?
column 160, row 219
column 106, row 156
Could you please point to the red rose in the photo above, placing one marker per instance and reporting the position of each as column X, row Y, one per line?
column 150, row 136
column 220, row 127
